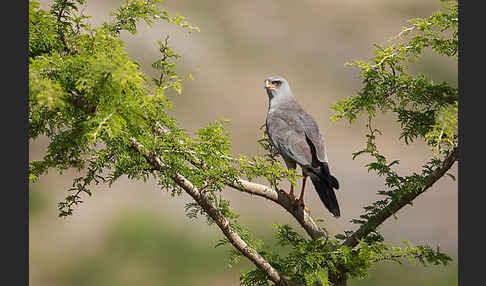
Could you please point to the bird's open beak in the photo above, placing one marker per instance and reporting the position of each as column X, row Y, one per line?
column 269, row 85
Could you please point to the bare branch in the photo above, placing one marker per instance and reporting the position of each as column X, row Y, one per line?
column 395, row 206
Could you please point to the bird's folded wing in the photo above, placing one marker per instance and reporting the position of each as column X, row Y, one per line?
column 315, row 136
column 288, row 135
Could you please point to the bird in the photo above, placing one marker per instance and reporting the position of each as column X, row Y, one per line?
column 296, row 136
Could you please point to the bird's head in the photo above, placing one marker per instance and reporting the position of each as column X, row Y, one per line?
column 277, row 86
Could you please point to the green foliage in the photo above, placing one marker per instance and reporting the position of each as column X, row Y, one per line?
column 130, row 14
column 309, row 260
column 415, row 99
column 423, row 108
column 42, row 25
column 443, row 133
column 90, row 100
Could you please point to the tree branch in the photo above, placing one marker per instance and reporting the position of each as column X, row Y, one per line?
column 304, row 219
column 59, row 30
column 396, row 205
column 218, row 218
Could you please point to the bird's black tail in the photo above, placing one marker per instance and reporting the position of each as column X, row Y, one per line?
column 325, row 184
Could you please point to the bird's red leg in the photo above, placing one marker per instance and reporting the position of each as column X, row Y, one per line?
column 301, row 198
column 290, row 195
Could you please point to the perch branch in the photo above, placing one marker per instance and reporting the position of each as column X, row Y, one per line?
column 304, row 219
column 395, row 206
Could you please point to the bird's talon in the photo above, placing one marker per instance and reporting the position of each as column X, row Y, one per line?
column 289, row 196
column 300, row 203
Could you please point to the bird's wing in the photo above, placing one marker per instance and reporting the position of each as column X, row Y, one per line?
column 314, row 135
column 287, row 133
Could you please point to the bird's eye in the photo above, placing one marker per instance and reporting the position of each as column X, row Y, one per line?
column 276, row 82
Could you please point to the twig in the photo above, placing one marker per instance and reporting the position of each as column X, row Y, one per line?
column 405, row 30
column 59, row 30
column 101, row 125
column 164, row 58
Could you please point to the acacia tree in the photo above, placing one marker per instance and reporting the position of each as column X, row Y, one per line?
column 107, row 119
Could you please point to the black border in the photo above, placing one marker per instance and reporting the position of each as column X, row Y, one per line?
column 471, row 143
column 15, row 147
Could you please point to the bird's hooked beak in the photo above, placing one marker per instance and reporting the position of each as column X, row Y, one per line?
column 269, row 85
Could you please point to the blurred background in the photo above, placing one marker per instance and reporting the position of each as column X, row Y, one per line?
column 137, row 234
